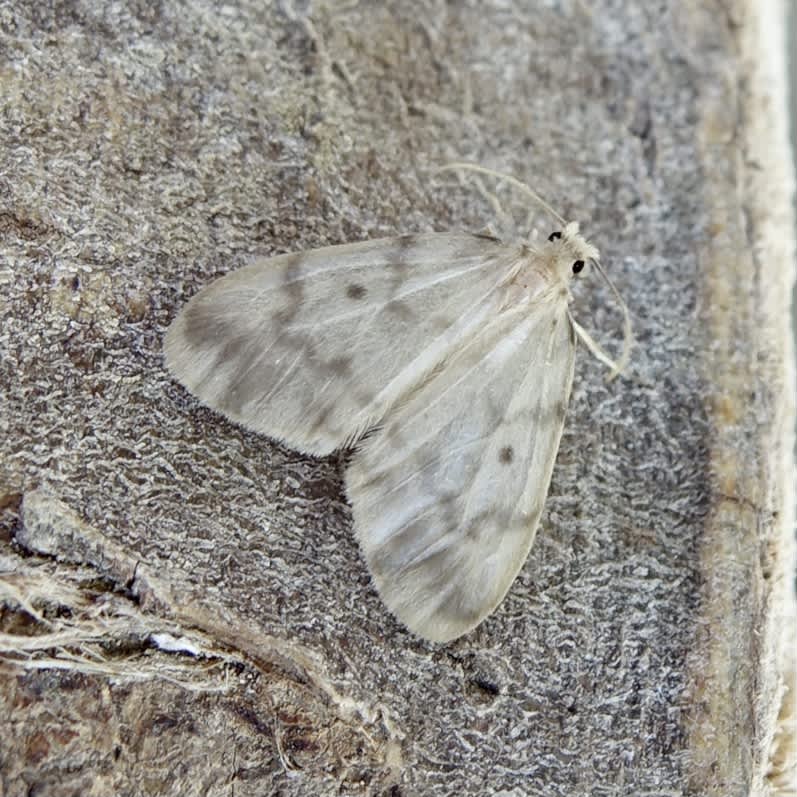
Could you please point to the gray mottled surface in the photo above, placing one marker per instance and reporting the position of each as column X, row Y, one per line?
column 146, row 149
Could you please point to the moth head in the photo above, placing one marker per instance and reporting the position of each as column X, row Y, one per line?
column 569, row 253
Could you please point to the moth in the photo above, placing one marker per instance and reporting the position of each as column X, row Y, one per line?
column 445, row 359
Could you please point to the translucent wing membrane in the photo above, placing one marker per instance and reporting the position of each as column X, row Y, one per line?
column 448, row 495
column 313, row 348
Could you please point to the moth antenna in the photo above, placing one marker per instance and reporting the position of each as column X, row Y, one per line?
column 522, row 187
column 628, row 336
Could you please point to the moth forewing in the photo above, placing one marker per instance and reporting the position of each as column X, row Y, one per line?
column 313, row 348
column 455, row 350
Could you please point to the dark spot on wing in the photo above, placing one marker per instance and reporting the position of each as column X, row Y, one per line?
column 284, row 317
column 401, row 256
column 506, row 455
column 399, row 308
column 232, row 349
column 292, row 275
column 398, row 262
column 355, row 291
column 340, row 366
column 481, row 524
column 292, row 286
column 201, row 326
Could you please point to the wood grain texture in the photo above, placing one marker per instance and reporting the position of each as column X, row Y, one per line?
column 184, row 608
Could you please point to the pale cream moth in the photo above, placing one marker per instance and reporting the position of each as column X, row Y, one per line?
column 454, row 351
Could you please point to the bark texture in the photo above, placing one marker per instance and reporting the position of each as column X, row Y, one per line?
column 183, row 608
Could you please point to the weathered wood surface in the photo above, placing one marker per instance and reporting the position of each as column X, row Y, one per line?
column 184, row 609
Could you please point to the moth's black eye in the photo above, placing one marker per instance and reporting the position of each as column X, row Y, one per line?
column 578, row 266
column 554, row 236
